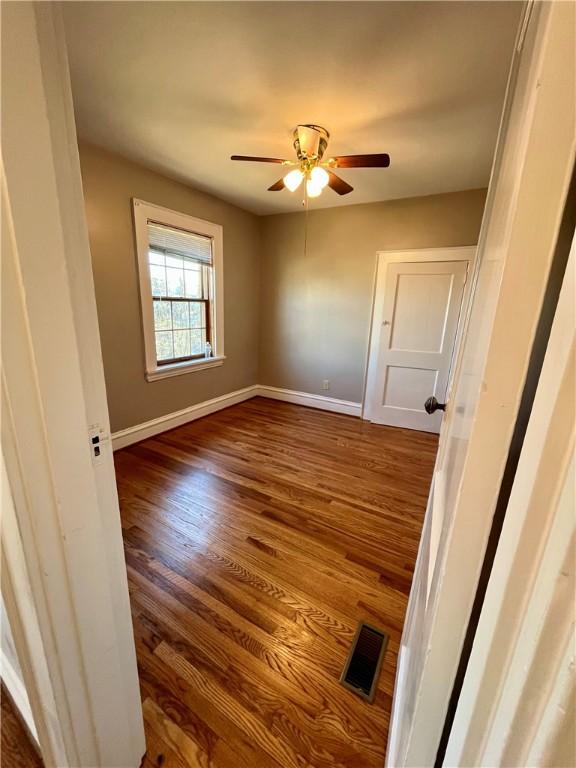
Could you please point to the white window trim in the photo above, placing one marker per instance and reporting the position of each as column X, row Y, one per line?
column 142, row 213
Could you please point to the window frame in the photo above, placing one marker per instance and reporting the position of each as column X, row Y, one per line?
column 143, row 212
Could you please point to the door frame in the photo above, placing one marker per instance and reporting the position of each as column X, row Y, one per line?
column 524, row 645
column 465, row 253
column 526, row 200
column 64, row 580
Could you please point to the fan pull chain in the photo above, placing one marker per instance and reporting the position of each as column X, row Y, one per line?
column 305, row 204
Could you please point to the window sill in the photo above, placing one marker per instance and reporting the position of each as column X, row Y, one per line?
column 177, row 369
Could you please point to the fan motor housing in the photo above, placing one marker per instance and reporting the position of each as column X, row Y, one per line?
column 310, row 141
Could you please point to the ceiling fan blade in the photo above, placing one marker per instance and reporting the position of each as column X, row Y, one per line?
column 258, row 159
column 338, row 184
column 360, row 161
column 279, row 185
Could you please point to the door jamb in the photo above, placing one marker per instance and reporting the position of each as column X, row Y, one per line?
column 62, row 546
column 559, row 285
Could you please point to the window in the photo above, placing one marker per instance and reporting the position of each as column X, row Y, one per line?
column 180, row 267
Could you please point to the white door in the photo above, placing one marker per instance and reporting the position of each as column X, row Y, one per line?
column 526, row 198
column 416, row 328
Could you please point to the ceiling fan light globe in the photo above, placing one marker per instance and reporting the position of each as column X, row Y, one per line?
column 293, row 179
column 313, row 189
column 319, row 177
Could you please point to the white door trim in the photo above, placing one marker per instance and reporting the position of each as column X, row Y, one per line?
column 519, row 233
column 66, row 593
column 383, row 260
column 524, row 645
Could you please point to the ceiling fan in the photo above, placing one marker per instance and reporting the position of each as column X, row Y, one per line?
column 310, row 142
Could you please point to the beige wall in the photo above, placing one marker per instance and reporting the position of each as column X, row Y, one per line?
column 109, row 184
column 315, row 308
column 291, row 320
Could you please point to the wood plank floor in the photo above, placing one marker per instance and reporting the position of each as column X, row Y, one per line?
column 16, row 749
column 256, row 539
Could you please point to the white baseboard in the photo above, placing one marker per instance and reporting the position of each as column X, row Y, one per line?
column 311, row 401
column 15, row 687
column 139, row 432
column 150, row 428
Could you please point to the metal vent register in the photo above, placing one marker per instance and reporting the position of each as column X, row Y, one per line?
column 362, row 667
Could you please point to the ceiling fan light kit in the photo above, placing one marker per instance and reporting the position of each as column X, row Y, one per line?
column 318, row 180
column 312, row 190
column 293, row 179
column 310, row 142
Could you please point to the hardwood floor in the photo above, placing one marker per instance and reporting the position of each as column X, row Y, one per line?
column 16, row 749
column 256, row 539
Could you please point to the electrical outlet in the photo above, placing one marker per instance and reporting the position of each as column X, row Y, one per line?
column 326, row 384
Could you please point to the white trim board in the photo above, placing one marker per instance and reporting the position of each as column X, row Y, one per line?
column 64, row 579
column 15, row 687
column 346, row 407
column 130, row 435
column 163, row 423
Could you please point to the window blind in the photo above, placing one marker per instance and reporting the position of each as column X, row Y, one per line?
column 179, row 242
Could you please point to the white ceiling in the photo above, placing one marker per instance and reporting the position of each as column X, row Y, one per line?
column 180, row 86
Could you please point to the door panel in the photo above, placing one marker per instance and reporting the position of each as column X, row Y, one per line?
column 428, row 291
column 408, row 387
column 422, row 302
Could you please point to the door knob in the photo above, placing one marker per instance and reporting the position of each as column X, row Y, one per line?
column 431, row 405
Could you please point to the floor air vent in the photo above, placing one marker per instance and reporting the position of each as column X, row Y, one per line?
column 363, row 664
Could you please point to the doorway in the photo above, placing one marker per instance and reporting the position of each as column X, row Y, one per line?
column 418, row 300
column 103, row 671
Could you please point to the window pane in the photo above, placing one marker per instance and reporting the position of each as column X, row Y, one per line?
column 156, row 258
column 158, row 280
column 197, row 312
column 198, row 339
column 175, row 261
column 181, row 343
column 162, row 316
column 193, row 284
column 164, row 348
column 175, row 278
column 180, row 317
